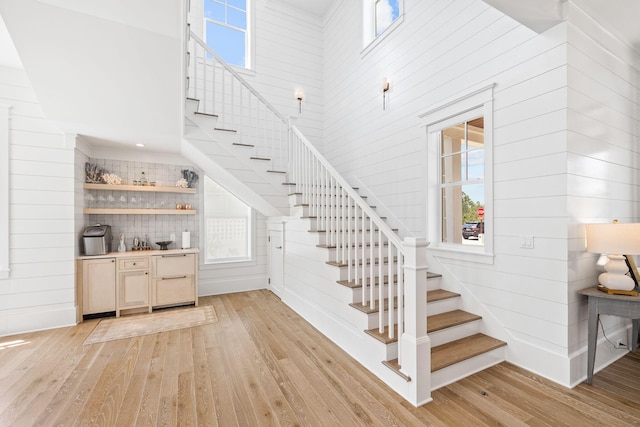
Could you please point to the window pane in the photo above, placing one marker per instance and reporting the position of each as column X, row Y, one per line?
column 461, row 222
column 214, row 10
column 386, row 12
column 227, row 42
column 237, row 18
column 240, row 4
column 227, row 224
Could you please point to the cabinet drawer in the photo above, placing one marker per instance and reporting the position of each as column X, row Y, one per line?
column 133, row 263
column 165, row 266
column 174, row 291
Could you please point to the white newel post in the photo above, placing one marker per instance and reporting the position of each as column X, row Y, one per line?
column 416, row 345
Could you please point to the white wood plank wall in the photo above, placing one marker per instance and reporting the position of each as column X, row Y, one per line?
column 603, row 151
column 39, row 293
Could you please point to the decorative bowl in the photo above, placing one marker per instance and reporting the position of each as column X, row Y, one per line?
column 163, row 244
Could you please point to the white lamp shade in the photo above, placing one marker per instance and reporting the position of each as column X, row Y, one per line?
column 614, row 238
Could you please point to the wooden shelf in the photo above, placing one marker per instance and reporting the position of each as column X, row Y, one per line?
column 124, row 211
column 142, row 188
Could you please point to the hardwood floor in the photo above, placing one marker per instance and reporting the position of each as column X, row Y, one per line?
column 261, row 364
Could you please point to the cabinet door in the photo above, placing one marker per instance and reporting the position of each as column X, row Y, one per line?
column 174, row 291
column 98, row 285
column 134, row 289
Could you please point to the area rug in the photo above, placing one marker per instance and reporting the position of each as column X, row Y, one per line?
column 145, row 324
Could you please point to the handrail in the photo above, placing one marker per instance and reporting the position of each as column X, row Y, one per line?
column 383, row 226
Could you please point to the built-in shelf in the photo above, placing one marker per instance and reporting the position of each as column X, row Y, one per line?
column 125, row 211
column 148, row 188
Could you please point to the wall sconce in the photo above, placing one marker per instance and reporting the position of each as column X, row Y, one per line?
column 386, row 85
column 299, row 96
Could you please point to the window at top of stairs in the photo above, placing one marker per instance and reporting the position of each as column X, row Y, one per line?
column 226, row 30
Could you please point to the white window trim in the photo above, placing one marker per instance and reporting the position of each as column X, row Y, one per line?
column 5, row 120
column 369, row 38
column 227, row 263
column 479, row 102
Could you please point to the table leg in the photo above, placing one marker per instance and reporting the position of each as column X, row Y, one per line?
column 592, row 338
column 634, row 334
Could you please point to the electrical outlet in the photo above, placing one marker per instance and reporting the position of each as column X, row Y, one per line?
column 620, row 344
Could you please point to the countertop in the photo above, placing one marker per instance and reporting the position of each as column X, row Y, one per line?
column 142, row 253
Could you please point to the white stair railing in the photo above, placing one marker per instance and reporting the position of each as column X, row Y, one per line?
column 239, row 107
column 372, row 252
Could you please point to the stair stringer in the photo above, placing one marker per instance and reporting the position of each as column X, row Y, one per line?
column 230, row 163
column 227, row 180
column 320, row 301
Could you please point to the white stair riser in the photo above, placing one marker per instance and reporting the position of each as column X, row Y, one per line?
column 344, row 271
column 453, row 373
column 454, row 333
column 443, row 306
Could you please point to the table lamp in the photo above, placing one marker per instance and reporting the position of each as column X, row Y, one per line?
column 616, row 240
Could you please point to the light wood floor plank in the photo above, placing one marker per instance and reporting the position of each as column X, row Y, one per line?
column 261, row 364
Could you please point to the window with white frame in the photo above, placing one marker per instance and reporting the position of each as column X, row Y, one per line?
column 226, row 30
column 379, row 17
column 460, row 174
column 228, row 225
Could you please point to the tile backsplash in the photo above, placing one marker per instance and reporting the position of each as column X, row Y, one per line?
column 151, row 228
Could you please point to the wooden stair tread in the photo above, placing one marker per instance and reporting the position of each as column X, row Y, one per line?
column 459, row 350
column 197, row 113
column 438, row 322
column 395, row 367
column 368, row 262
column 227, row 130
column 239, row 144
column 432, row 296
column 440, row 295
column 353, row 285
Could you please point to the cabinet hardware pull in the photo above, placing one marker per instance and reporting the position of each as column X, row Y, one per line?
column 278, row 247
column 170, row 256
column 174, row 277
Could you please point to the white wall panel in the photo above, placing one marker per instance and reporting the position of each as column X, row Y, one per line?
column 41, row 284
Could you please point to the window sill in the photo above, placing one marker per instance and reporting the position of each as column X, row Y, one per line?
column 377, row 40
column 461, row 254
column 228, row 264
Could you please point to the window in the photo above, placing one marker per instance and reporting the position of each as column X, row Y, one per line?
column 460, row 174
column 379, row 18
column 228, row 225
column 226, row 30
column 462, row 182
column 386, row 11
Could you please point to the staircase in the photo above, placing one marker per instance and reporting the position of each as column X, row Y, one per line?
column 458, row 347
column 346, row 271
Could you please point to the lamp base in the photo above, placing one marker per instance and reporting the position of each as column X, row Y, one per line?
column 617, row 291
column 616, row 275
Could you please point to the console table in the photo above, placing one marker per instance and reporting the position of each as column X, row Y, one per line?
column 615, row 305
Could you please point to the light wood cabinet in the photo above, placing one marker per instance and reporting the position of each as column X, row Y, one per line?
column 174, row 279
column 98, row 285
column 133, row 284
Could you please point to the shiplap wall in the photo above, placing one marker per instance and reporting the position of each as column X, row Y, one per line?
column 603, row 155
column 444, row 48
column 40, row 291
